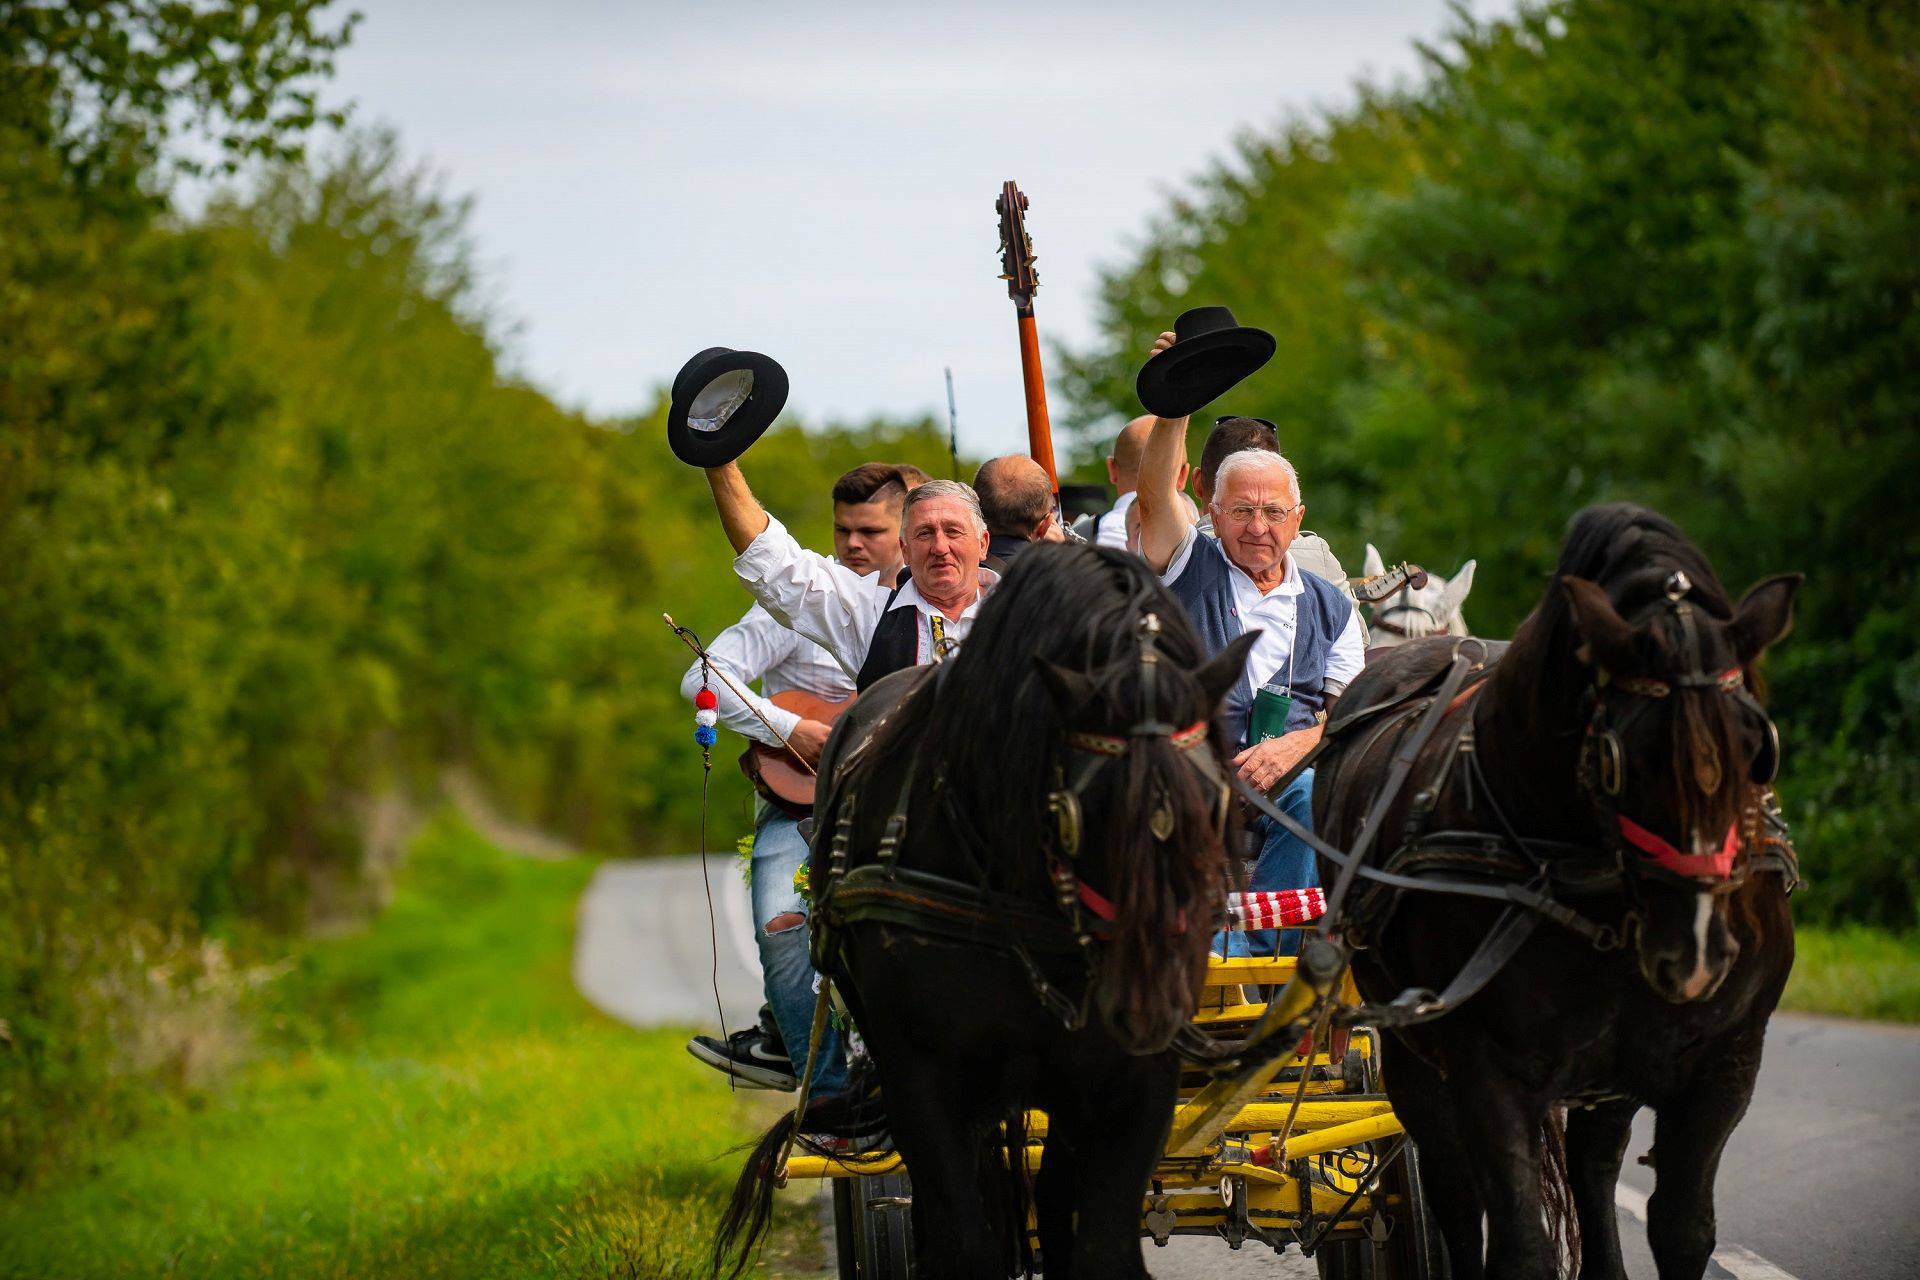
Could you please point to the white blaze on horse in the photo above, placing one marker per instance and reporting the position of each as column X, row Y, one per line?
column 1411, row 612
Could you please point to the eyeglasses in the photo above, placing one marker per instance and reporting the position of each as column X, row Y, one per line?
column 1243, row 513
column 1273, row 428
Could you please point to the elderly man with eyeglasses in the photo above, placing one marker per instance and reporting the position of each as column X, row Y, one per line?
column 1242, row 579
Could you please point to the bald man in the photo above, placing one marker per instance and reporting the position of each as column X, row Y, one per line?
column 1016, row 497
column 1109, row 529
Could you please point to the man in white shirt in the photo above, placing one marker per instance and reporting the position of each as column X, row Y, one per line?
column 1309, row 643
column 1109, row 529
column 871, row 630
column 866, row 537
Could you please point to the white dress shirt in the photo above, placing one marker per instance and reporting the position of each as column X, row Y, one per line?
column 1113, row 525
column 832, row 605
column 1276, row 614
column 758, row 648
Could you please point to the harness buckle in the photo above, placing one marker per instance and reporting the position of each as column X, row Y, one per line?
column 889, row 846
column 1064, row 807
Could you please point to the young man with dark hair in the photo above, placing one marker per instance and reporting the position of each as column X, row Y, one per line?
column 1230, row 435
column 866, row 517
column 867, row 503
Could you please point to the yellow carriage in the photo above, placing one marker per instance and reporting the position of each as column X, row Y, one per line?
column 1311, row 1158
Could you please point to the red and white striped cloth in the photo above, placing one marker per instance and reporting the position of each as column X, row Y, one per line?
column 1275, row 909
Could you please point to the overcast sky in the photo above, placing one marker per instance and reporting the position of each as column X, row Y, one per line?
column 817, row 181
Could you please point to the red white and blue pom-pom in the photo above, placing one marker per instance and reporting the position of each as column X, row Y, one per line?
column 705, row 716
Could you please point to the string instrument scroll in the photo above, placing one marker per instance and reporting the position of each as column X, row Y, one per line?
column 1016, row 268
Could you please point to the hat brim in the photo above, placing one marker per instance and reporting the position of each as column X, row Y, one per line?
column 1190, row 375
column 765, row 394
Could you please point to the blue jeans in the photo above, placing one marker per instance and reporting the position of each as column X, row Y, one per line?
column 1285, row 862
column 778, row 852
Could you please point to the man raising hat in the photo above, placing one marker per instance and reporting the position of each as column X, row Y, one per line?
column 1246, row 578
column 722, row 401
column 870, row 629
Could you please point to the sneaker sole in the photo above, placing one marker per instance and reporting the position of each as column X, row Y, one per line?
column 750, row 1076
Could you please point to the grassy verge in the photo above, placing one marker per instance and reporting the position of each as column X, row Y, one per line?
column 1855, row 972
column 436, row 1102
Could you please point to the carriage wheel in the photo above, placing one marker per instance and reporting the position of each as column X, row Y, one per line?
column 1401, row 1242
column 843, row 1228
column 873, row 1226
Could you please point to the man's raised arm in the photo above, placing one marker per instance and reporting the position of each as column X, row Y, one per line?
column 1164, row 519
column 819, row 598
column 740, row 512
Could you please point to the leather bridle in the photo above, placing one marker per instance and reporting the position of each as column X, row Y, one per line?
column 1406, row 605
column 1603, row 758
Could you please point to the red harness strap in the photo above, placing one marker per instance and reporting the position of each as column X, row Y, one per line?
column 1716, row 866
column 1093, row 900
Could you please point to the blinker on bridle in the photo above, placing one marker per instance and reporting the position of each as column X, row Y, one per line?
column 1095, row 749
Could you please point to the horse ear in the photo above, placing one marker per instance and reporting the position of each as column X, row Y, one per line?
column 1456, row 593
column 1070, row 691
column 1373, row 566
column 1765, row 614
column 1606, row 637
column 1219, row 676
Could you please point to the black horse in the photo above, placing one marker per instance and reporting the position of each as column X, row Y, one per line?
column 1019, row 860
column 1616, row 755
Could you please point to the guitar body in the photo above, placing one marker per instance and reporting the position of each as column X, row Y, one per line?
column 777, row 773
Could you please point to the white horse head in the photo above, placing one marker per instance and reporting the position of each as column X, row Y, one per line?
column 1432, row 610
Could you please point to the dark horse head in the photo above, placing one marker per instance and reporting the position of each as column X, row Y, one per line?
column 1083, row 700
column 1647, row 654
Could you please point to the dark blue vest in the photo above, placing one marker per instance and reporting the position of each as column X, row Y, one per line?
column 1205, row 587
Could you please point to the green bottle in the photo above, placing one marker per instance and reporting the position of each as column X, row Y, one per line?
column 1270, row 711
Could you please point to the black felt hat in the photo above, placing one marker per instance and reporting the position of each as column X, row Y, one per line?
column 723, row 400
column 1211, row 354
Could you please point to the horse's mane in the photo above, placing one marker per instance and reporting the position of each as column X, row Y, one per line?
column 1627, row 549
column 1073, row 604
column 1632, row 552
column 989, row 731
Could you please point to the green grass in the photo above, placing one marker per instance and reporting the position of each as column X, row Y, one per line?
column 1855, row 972
column 434, row 1100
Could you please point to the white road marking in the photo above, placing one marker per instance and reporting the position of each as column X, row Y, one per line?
column 1741, row 1264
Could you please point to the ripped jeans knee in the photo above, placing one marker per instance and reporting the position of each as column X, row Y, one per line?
column 786, row 922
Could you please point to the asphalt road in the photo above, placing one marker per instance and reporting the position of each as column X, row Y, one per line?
column 1821, row 1180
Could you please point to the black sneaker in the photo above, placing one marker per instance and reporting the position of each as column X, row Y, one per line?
column 752, row 1057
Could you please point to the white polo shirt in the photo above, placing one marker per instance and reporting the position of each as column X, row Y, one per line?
column 1276, row 613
